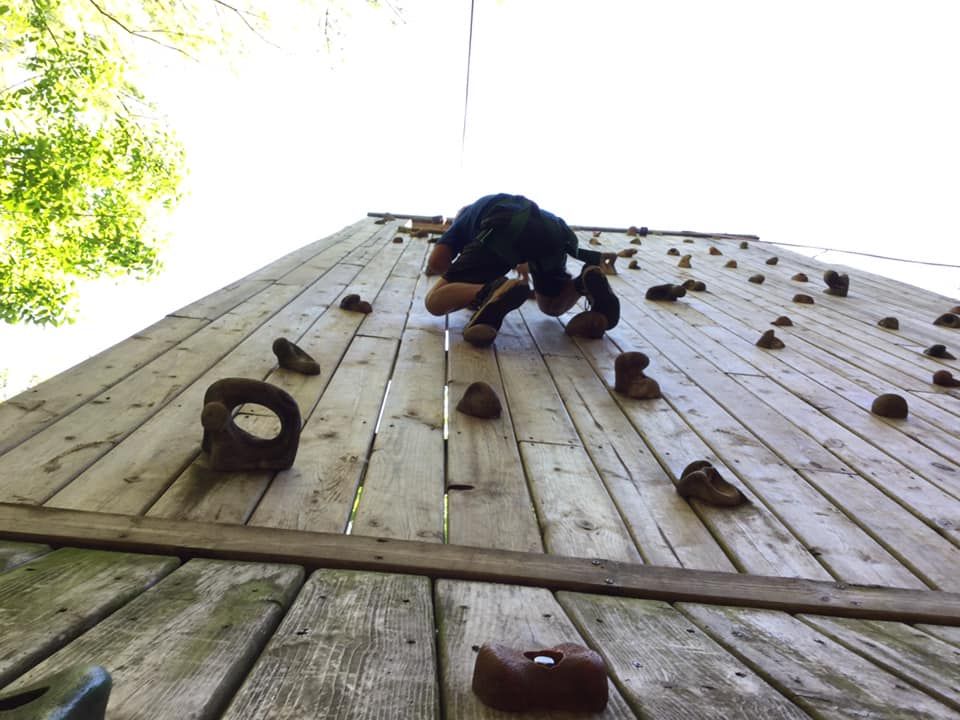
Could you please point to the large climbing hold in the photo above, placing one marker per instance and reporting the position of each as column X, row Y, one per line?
column 77, row 693
column 701, row 480
column 890, row 323
column 948, row 320
column 890, row 405
column 939, row 351
column 629, row 378
column 944, row 378
column 291, row 357
column 665, row 292
column 770, row 341
column 480, row 401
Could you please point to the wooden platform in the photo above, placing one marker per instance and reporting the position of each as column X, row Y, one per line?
column 360, row 582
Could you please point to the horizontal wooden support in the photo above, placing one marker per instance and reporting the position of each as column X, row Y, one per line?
column 401, row 216
column 679, row 233
column 591, row 575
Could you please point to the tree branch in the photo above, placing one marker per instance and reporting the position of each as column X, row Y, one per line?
column 135, row 33
column 240, row 14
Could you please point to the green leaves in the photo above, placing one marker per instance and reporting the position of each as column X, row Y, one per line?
column 82, row 168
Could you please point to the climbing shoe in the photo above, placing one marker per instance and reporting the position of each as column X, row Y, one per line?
column 594, row 285
column 500, row 297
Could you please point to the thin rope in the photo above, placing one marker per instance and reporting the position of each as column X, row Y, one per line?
column 857, row 252
column 466, row 96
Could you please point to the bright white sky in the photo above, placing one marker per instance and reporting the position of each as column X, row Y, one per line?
column 826, row 123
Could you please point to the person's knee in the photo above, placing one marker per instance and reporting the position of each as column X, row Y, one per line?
column 550, row 305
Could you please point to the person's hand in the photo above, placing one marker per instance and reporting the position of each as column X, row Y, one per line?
column 523, row 272
column 607, row 261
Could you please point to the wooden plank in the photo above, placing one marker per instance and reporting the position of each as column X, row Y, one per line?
column 667, row 667
column 576, row 512
column 181, row 649
column 922, row 660
column 32, row 410
column 203, row 494
column 947, row 634
column 317, row 493
column 666, row 529
column 354, row 645
column 390, row 309
column 419, row 318
column 13, row 554
column 818, row 674
column 212, row 306
column 46, row 603
column 471, row 614
column 135, row 473
column 255, row 544
column 404, row 484
column 489, row 504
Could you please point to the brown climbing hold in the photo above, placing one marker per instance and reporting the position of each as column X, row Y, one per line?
column 353, row 303
column 632, row 230
column 397, row 239
column 758, row 279
column 890, row 323
column 782, row 321
column 701, row 480
column 596, row 233
column 636, row 241
column 480, row 400
column 228, row 447
column 417, row 234
column 948, row 320
column 627, row 252
column 772, row 260
column 800, row 277
column 688, row 240
column 566, row 677
column 714, row 251
column 594, row 241
column 744, row 245
column 943, row 378
column 955, row 309
column 629, row 378
column 587, row 324
column 770, row 341
column 684, row 261
column 673, row 251
column 803, row 299
column 890, row 406
column 730, row 264
column 665, row 292
column 939, row 351
column 634, row 265
column 607, row 266
column 291, row 357
column 837, row 283
column 385, row 219
column 694, row 285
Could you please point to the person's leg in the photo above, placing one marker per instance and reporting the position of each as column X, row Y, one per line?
column 446, row 297
column 556, row 305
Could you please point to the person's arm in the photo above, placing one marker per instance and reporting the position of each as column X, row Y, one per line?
column 440, row 259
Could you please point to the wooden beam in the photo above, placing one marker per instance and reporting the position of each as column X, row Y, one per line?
column 679, row 233
column 401, row 216
column 593, row 575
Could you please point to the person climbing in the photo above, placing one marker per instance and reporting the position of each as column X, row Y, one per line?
column 496, row 234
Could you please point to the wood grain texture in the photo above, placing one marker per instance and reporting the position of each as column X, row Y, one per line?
column 489, row 503
column 403, row 487
column 317, row 493
column 14, row 553
column 921, row 659
column 353, row 646
column 255, row 544
column 181, row 649
column 471, row 614
column 46, row 603
column 815, row 672
column 667, row 667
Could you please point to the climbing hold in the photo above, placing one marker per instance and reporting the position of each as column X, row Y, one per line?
column 945, row 379
column 730, row 264
column 290, row 356
column 714, row 251
column 77, row 693
column 684, row 261
column 948, row 320
column 772, row 260
column 416, row 234
column 744, row 245
column 890, row 323
column 837, row 283
column 688, row 240
column 701, row 480
column 634, row 265
column 673, row 251
column 594, row 241
column 596, row 233
column 397, row 239
column 800, row 277
column 770, row 341
column 629, row 378
column 758, row 279
column 230, row 448
column 665, row 292
column 607, row 264
column 695, row 285
column 587, row 324
column 955, row 309
column 627, row 252
column 890, row 406
column 783, row 321
column 632, row 230
column 636, row 241
column 385, row 219
column 803, row 299
column 481, row 401
column 567, row 677
column 939, row 351
column 353, row 303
